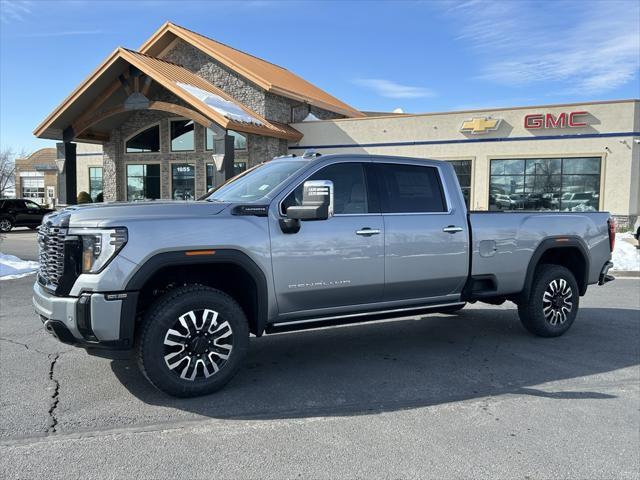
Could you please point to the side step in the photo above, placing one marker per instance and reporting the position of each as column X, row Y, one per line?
column 356, row 318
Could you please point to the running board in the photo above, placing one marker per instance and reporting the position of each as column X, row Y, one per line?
column 356, row 318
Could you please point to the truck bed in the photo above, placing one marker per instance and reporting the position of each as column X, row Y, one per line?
column 503, row 243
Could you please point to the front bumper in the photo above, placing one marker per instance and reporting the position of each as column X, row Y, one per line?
column 604, row 274
column 92, row 320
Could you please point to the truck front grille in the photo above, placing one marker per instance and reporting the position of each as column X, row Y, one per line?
column 51, row 247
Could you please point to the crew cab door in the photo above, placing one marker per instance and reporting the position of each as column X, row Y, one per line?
column 330, row 263
column 426, row 233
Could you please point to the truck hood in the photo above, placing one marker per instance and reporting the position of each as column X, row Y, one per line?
column 119, row 213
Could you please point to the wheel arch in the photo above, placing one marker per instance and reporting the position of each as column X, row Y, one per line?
column 567, row 251
column 245, row 281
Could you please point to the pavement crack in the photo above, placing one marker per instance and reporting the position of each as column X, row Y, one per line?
column 53, row 420
column 8, row 340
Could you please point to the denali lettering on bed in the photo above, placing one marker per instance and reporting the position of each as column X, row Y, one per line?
column 301, row 242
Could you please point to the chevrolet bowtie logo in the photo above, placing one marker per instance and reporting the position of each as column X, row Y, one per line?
column 480, row 125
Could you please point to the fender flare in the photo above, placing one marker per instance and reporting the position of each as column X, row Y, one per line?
column 229, row 256
column 553, row 243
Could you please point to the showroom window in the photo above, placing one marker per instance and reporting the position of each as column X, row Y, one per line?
column 239, row 140
column 563, row 184
column 463, row 172
column 182, row 135
column 143, row 182
column 183, row 185
column 144, row 142
column 95, row 182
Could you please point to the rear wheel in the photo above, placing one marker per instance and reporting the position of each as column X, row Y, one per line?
column 193, row 341
column 553, row 302
column 6, row 224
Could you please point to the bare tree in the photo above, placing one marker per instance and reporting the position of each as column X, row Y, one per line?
column 8, row 169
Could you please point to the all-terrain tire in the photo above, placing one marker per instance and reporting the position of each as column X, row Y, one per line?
column 553, row 302
column 172, row 343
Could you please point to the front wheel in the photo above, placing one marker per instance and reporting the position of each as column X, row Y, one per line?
column 553, row 302
column 193, row 341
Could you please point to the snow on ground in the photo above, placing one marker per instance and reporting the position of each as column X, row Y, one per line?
column 14, row 267
column 626, row 256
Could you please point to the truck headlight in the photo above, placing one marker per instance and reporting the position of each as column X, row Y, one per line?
column 99, row 246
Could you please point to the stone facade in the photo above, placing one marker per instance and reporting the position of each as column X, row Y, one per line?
column 259, row 148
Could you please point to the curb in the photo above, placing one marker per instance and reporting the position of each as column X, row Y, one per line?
column 625, row 273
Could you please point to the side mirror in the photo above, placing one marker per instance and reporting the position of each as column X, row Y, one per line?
column 317, row 201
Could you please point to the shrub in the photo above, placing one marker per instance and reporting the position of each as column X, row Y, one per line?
column 99, row 198
column 84, row 197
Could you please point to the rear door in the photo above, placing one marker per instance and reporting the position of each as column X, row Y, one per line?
column 426, row 233
column 334, row 263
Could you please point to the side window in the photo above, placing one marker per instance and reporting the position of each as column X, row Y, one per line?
column 349, row 188
column 32, row 205
column 411, row 189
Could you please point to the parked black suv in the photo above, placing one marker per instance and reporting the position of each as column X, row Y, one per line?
column 20, row 212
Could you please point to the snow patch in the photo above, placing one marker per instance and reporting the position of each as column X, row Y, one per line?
column 224, row 107
column 311, row 118
column 14, row 267
column 625, row 255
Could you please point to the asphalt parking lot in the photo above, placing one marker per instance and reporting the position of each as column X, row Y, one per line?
column 469, row 395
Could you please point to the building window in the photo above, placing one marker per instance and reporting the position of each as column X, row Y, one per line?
column 239, row 140
column 239, row 167
column 182, row 135
column 211, row 168
column 564, row 184
column 143, row 182
column 95, row 182
column 32, row 187
column 463, row 172
column 144, row 142
column 183, row 185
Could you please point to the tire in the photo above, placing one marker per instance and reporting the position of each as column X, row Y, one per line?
column 453, row 309
column 199, row 364
column 553, row 302
column 6, row 224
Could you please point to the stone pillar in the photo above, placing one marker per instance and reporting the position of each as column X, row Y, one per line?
column 112, row 169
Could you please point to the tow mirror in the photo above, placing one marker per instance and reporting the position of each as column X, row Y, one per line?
column 317, row 201
column 317, row 204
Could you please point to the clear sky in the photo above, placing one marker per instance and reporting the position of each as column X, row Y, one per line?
column 375, row 55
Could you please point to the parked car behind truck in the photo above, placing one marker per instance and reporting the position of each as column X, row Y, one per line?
column 302, row 242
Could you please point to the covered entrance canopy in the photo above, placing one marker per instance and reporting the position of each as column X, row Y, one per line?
column 129, row 81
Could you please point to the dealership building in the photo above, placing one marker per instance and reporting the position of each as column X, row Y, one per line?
column 183, row 113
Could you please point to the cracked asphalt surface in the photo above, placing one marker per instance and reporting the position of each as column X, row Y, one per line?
column 469, row 395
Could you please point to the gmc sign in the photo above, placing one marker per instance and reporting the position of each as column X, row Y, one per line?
column 535, row 121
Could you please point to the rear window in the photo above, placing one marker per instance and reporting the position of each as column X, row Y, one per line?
column 411, row 189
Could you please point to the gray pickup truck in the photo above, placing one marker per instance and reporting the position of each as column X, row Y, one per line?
column 301, row 242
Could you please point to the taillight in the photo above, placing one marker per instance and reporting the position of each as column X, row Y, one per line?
column 612, row 233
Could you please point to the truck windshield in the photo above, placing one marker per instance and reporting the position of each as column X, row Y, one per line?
column 256, row 183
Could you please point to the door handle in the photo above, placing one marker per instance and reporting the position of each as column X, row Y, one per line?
column 367, row 232
column 452, row 229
